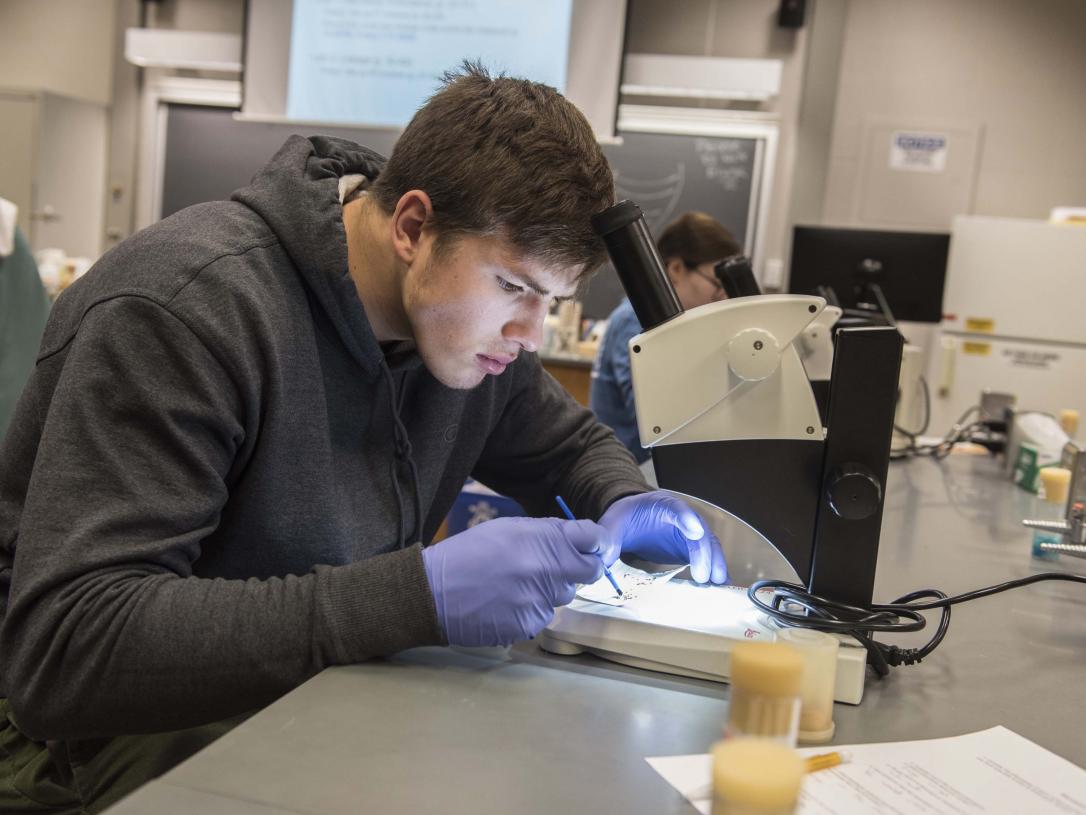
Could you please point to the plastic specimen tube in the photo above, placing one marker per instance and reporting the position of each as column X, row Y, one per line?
column 1057, row 484
column 765, row 701
column 755, row 777
column 819, row 652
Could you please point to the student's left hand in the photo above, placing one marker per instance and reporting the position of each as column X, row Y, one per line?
column 661, row 528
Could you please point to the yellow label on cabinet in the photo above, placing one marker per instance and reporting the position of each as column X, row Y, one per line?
column 979, row 348
column 983, row 325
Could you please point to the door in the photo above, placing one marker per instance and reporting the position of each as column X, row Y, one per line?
column 70, row 189
column 18, row 112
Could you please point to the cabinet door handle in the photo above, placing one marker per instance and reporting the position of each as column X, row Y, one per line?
column 947, row 358
column 46, row 213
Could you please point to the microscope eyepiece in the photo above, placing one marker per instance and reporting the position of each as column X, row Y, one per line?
column 633, row 253
column 613, row 218
column 737, row 277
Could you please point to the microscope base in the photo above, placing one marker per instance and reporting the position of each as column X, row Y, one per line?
column 655, row 636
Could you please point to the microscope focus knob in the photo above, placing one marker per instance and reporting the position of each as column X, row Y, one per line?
column 854, row 492
column 754, row 354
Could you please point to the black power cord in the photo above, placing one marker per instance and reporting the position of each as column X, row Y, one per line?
column 912, row 434
column 985, row 432
column 793, row 605
column 941, row 449
column 990, row 433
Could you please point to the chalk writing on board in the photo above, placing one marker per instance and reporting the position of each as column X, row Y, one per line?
column 725, row 161
column 658, row 197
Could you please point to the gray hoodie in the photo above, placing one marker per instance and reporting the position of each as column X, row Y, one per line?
column 206, row 493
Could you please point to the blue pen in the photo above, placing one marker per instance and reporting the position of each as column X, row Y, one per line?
column 606, row 571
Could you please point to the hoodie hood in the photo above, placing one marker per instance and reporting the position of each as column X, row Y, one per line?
column 297, row 195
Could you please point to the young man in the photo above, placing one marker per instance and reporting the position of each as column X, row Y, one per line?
column 245, row 423
column 690, row 248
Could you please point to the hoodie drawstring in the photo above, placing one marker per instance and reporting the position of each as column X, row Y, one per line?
column 403, row 453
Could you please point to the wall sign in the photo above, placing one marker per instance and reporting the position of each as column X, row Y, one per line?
column 918, row 152
column 1042, row 360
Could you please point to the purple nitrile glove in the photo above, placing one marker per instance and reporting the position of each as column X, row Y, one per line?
column 659, row 527
column 499, row 582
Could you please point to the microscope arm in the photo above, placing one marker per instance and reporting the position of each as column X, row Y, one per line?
column 817, row 497
column 726, row 371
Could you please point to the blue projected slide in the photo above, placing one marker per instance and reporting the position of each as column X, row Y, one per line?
column 374, row 62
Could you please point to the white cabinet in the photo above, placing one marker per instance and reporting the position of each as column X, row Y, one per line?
column 53, row 166
column 1013, row 317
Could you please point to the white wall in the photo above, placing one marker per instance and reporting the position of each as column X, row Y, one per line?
column 1012, row 70
column 818, row 100
column 200, row 15
column 185, row 15
column 64, row 46
column 741, row 29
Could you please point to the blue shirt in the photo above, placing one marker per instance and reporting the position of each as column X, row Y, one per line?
column 612, row 397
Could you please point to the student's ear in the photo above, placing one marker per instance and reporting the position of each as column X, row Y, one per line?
column 412, row 212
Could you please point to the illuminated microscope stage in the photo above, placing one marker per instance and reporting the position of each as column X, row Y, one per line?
column 679, row 627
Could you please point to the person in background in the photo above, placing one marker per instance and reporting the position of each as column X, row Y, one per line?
column 248, row 421
column 689, row 247
column 24, row 308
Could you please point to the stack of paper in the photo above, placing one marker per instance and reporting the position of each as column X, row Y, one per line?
column 993, row 771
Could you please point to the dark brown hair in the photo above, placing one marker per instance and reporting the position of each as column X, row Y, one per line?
column 506, row 157
column 696, row 238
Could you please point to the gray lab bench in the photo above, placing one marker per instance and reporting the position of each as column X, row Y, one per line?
column 436, row 730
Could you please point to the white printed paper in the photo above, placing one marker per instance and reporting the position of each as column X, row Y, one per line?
column 993, row 771
column 633, row 582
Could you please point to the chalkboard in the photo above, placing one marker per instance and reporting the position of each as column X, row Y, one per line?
column 667, row 175
column 209, row 154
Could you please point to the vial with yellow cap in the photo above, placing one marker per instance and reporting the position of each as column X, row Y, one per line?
column 1069, row 421
column 755, row 777
column 819, row 652
column 765, row 696
column 1055, row 486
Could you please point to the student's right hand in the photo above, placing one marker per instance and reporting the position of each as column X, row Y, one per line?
column 499, row 582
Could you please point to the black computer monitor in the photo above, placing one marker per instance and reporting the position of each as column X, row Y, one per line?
column 909, row 268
